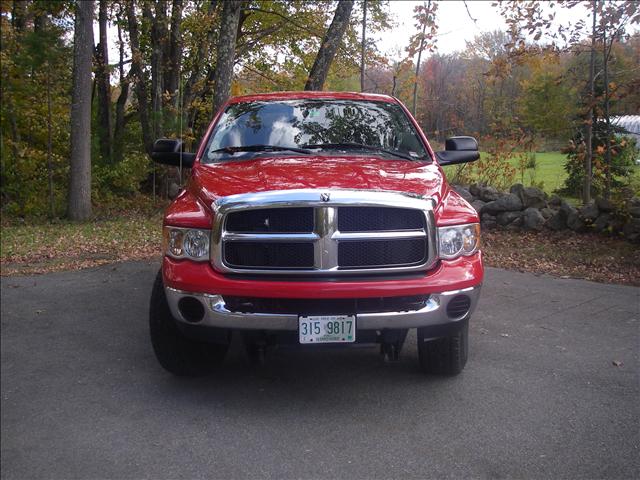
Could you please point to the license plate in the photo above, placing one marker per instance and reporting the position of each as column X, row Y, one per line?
column 327, row 329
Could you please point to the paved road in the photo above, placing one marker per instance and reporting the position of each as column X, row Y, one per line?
column 83, row 396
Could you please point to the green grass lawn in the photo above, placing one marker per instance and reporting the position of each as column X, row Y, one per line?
column 549, row 170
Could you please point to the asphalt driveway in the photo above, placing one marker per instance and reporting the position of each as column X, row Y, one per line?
column 551, row 390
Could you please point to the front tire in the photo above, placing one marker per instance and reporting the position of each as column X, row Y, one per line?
column 175, row 352
column 445, row 355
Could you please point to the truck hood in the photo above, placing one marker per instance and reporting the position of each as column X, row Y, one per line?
column 212, row 181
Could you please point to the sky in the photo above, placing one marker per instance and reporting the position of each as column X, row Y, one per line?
column 455, row 27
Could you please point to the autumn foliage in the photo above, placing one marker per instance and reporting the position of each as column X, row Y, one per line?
column 519, row 91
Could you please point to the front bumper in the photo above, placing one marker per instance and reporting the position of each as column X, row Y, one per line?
column 200, row 277
column 433, row 313
column 447, row 280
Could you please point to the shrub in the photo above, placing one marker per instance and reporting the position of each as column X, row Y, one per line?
column 495, row 168
column 623, row 151
column 121, row 179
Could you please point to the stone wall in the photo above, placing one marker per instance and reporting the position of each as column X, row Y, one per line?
column 529, row 208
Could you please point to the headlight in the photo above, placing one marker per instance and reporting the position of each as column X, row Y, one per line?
column 188, row 243
column 458, row 240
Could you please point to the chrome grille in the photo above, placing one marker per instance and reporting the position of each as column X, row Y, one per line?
column 368, row 219
column 382, row 253
column 271, row 220
column 314, row 231
column 269, row 255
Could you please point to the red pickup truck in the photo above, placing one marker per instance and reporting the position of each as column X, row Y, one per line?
column 316, row 218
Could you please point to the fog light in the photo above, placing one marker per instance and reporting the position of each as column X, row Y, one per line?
column 458, row 306
column 191, row 309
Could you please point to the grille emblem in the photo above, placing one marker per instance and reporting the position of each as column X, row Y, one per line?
column 266, row 222
column 325, row 197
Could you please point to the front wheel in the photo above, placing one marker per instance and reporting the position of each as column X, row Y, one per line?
column 445, row 355
column 175, row 352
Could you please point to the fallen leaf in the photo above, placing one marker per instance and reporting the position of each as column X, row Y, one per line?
column 617, row 363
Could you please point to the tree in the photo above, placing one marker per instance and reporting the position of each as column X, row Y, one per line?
column 79, row 207
column 614, row 18
column 119, row 126
column 138, row 76
column 36, row 62
column 329, row 47
column 546, row 103
column 226, row 52
column 174, row 56
column 425, row 16
column 443, row 108
column 588, row 159
column 204, row 40
column 104, row 86
column 155, row 20
column 610, row 19
column 364, row 43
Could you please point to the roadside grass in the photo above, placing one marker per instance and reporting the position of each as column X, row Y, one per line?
column 28, row 249
column 53, row 246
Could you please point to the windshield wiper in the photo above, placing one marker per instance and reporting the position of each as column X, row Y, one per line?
column 360, row 146
column 260, row 148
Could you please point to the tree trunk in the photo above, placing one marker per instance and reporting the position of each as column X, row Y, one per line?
column 226, row 52
column 415, row 84
column 80, row 172
column 104, row 87
column 363, row 45
column 588, row 159
column 136, row 70
column 607, row 118
column 174, row 57
column 157, row 22
column 118, row 129
column 329, row 46
column 18, row 15
column 196, row 70
column 50, row 143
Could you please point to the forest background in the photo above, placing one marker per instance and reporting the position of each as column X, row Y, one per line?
column 80, row 110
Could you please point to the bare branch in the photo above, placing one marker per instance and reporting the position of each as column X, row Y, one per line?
column 260, row 74
column 475, row 20
column 287, row 18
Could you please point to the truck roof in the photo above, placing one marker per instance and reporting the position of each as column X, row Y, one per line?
column 275, row 96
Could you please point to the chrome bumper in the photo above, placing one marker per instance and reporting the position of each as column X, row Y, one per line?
column 216, row 314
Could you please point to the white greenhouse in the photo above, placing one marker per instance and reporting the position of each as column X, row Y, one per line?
column 631, row 123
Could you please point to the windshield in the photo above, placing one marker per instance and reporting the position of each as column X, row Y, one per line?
column 253, row 128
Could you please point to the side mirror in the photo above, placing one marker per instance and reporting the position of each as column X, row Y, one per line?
column 459, row 150
column 169, row 151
